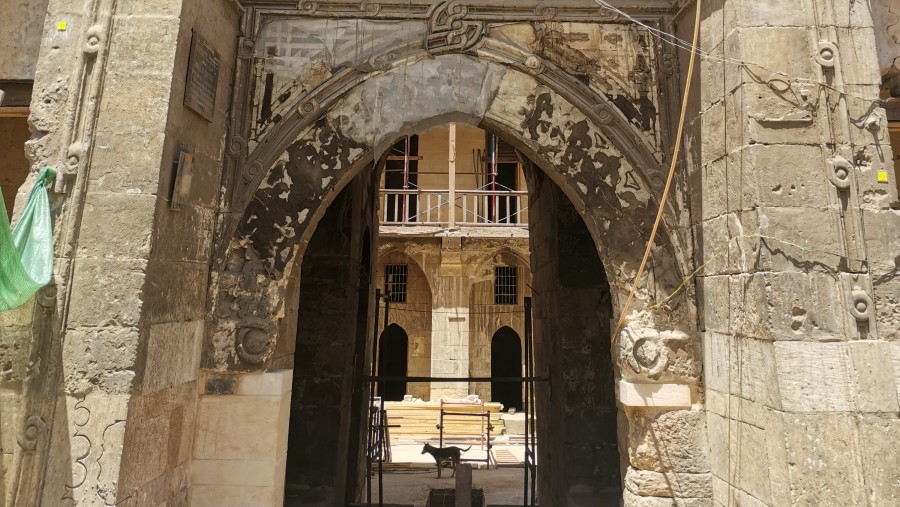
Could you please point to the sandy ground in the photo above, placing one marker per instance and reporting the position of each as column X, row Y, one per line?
column 412, row 475
column 408, row 479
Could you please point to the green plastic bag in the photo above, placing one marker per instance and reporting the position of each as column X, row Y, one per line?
column 26, row 252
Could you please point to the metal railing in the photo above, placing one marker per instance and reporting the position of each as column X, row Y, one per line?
column 472, row 208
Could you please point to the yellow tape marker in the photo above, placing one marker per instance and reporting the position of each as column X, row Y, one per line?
column 882, row 177
column 61, row 26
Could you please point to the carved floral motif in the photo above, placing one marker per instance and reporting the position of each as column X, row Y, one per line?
column 647, row 353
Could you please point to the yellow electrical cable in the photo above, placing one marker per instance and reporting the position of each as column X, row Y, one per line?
column 665, row 195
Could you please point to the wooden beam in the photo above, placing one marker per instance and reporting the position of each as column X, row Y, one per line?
column 892, row 107
column 14, row 112
column 402, row 158
column 15, row 93
column 451, row 170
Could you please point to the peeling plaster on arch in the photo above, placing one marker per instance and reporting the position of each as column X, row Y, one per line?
column 573, row 151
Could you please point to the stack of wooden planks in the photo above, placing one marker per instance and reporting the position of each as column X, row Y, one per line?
column 420, row 419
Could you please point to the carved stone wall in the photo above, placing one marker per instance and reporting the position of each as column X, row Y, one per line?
column 486, row 317
column 531, row 116
column 474, row 258
column 798, row 239
column 576, row 414
column 329, row 347
column 318, row 120
column 109, row 393
column 19, row 44
column 780, row 206
column 886, row 22
column 414, row 314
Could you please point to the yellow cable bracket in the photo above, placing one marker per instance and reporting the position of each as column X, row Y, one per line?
column 665, row 195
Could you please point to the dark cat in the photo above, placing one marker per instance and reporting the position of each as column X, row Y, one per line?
column 440, row 454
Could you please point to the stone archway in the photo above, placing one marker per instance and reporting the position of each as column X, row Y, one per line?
column 506, row 361
column 612, row 195
column 393, row 359
column 578, row 145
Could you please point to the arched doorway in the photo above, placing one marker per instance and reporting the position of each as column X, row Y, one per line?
column 588, row 159
column 506, row 361
column 393, row 350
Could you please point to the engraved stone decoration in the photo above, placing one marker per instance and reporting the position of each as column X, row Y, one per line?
column 254, row 344
column 646, row 353
column 93, row 39
column 449, row 30
column 245, row 47
column 237, row 146
column 839, row 170
column 860, row 310
column 202, row 78
column 827, row 54
column 308, row 108
column 35, row 426
column 860, row 305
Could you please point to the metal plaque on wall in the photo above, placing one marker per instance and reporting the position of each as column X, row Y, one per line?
column 202, row 78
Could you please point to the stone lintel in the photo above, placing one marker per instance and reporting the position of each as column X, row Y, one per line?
column 632, row 394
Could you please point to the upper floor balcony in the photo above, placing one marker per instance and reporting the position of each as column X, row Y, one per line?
column 455, row 179
column 453, row 208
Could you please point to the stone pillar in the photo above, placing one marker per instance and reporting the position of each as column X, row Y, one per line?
column 112, row 395
column 800, row 390
column 576, row 412
column 450, row 323
column 101, row 114
column 240, row 449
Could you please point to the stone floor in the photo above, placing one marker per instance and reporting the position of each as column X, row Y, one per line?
column 411, row 475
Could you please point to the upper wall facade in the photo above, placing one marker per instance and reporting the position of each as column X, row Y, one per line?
column 20, row 40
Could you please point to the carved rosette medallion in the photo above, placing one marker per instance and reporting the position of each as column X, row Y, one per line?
column 246, row 46
column 309, row 107
column 237, row 146
column 544, row 11
column 860, row 305
column 308, row 7
column 46, row 297
column 669, row 63
column 643, row 355
column 646, row 353
column 604, row 112
column 534, row 65
column 449, row 30
column 254, row 344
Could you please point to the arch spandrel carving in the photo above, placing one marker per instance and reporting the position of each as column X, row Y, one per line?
column 267, row 244
column 298, row 75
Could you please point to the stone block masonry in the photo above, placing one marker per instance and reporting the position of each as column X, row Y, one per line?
column 150, row 373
